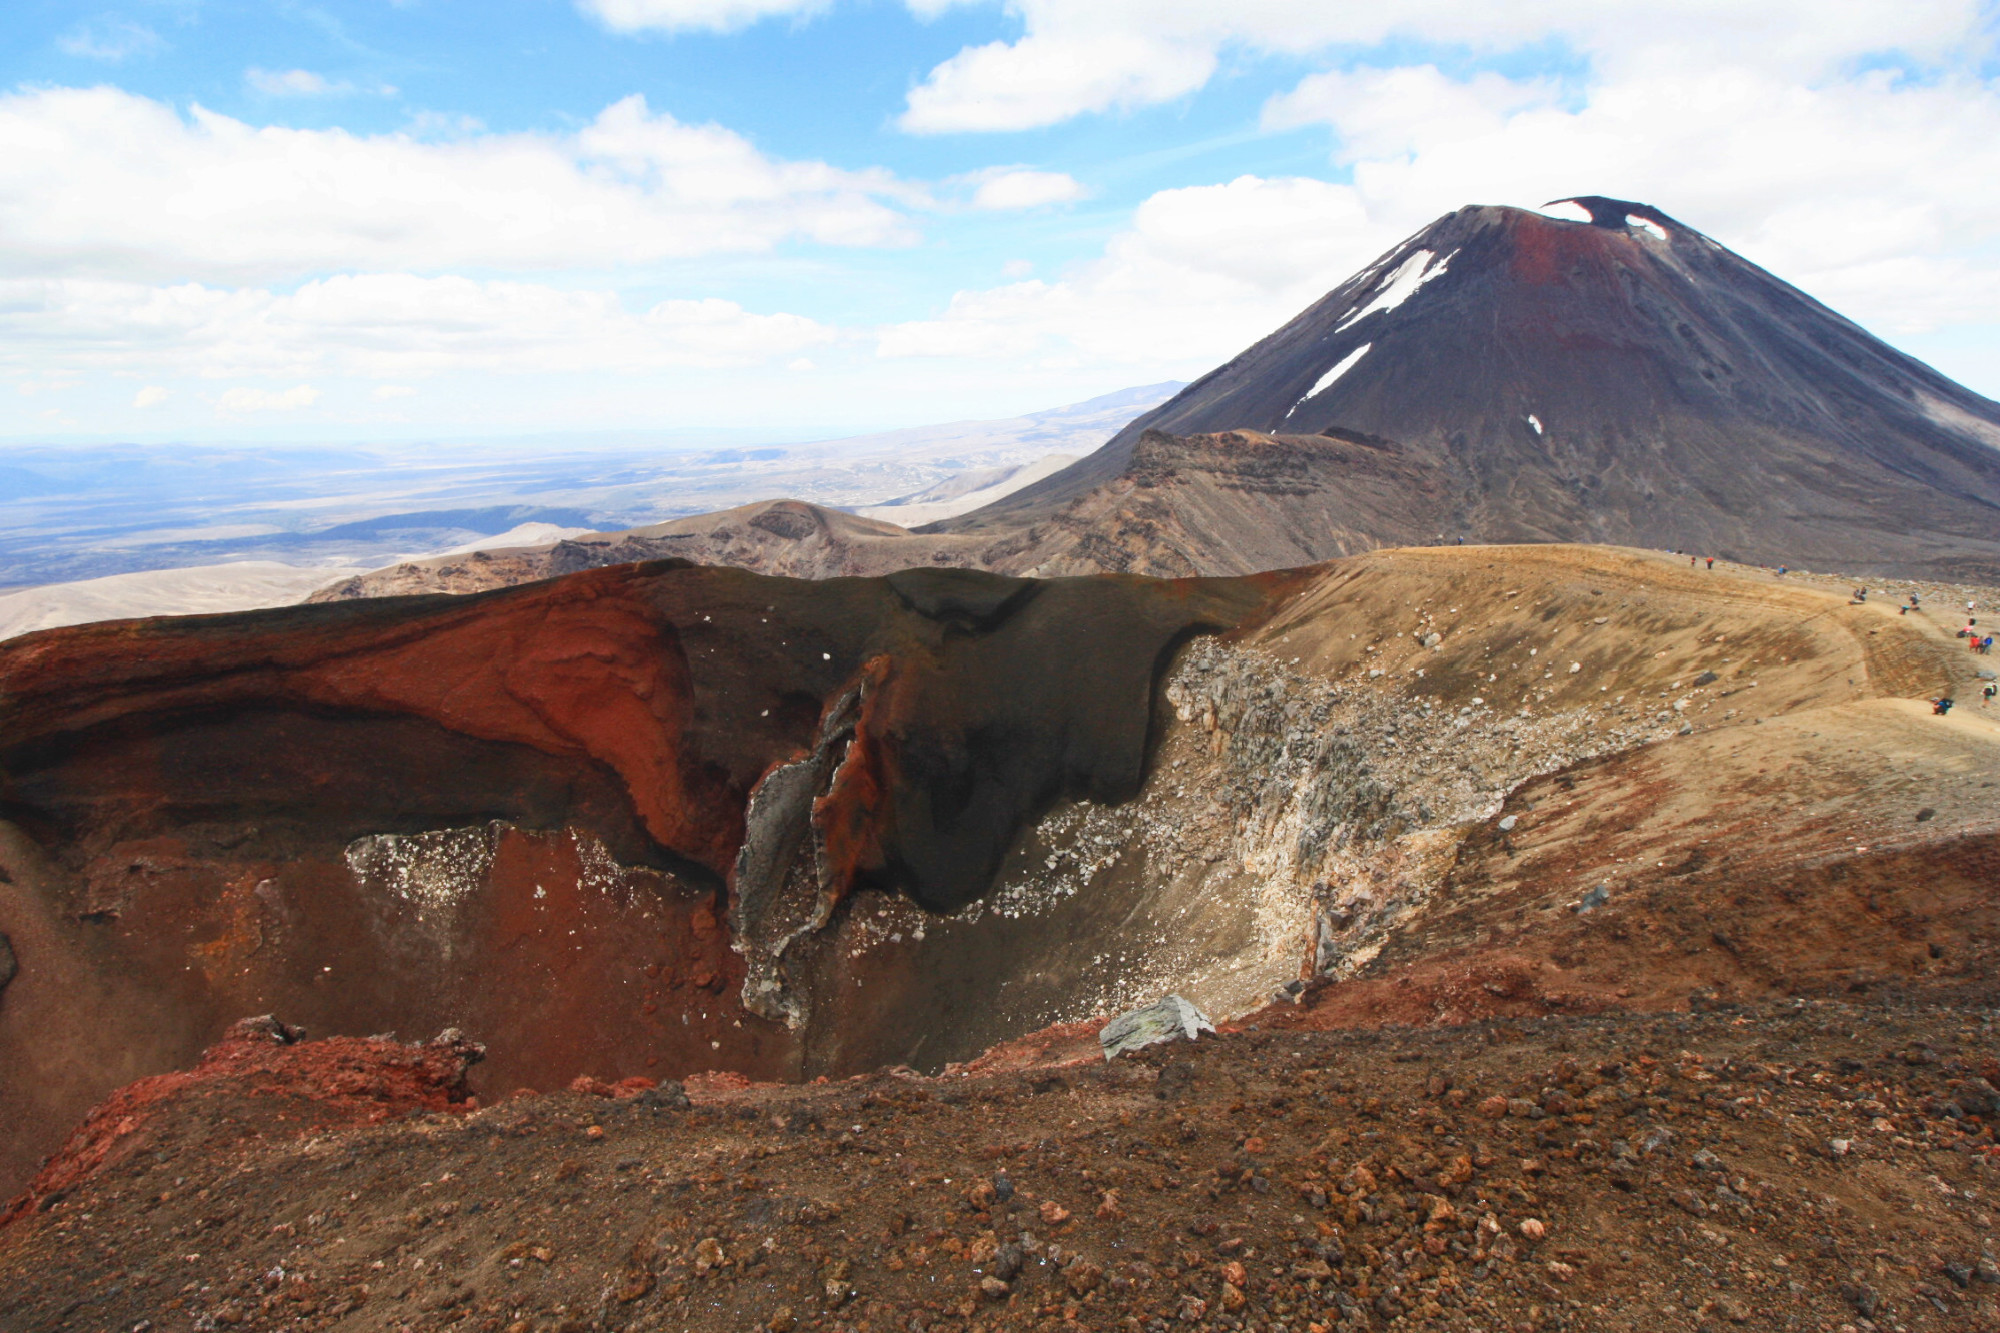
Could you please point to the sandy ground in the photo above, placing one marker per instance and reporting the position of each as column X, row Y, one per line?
column 197, row 590
column 930, row 506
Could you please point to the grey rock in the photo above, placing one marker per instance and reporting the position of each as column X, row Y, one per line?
column 1593, row 900
column 669, row 1096
column 1007, row 1261
column 1978, row 1097
column 1168, row 1019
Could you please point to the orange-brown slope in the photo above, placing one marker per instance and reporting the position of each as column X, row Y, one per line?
column 1813, row 828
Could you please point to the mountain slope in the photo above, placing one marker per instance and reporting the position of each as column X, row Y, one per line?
column 1625, row 379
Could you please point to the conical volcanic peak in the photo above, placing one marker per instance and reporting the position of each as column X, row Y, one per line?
column 1623, row 379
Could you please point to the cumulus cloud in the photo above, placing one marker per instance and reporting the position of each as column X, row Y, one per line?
column 101, row 182
column 150, row 396
column 1049, row 76
column 1007, row 188
column 1880, row 197
column 1079, row 56
column 384, row 392
column 240, row 400
column 685, row 15
column 1200, row 273
column 1389, row 113
column 1873, row 190
column 378, row 326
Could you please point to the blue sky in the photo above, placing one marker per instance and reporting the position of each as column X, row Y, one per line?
column 439, row 218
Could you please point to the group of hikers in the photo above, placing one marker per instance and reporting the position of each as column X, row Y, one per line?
column 1977, row 642
column 1986, row 697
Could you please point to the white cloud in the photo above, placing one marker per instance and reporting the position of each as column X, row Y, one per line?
column 150, row 396
column 378, row 326
column 1875, row 191
column 294, row 83
column 240, row 400
column 1878, row 196
column 1387, row 113
column 1005, row 188
column 110, row 40
column 1048, row 77
column 104, row 183
column 384, row 392
column 685, row 15
column 1201, row 272
column 1079, row 56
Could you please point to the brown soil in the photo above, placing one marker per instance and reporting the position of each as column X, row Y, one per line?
column 1805, row 1165
column 1742, row 763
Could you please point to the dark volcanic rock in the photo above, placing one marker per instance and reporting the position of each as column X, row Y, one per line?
column 1626, row 380
column 522, row 813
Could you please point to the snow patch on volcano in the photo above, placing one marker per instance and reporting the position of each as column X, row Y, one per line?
column 1340, row 367
column 1634, row 220
column 1566, row 210
column 1411, row 274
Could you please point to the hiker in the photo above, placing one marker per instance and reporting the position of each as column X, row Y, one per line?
column 1941, row 706
column 1986, row 645
column 1711, row 562
column 1986, row 695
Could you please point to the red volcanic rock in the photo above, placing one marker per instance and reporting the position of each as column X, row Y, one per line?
column 522, row 814
column 303, row 1086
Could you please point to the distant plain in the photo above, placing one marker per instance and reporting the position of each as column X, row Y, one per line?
column 87, row 511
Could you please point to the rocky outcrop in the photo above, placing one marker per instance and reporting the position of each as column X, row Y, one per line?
column 572, row 818
column 305, row 1087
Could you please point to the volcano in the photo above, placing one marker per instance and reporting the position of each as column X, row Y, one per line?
column 1624, row 379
